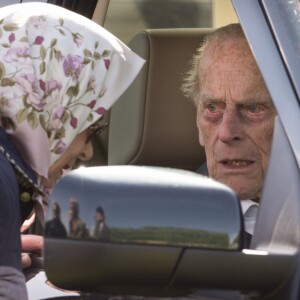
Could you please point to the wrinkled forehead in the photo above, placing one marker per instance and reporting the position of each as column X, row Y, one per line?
column 228, row 70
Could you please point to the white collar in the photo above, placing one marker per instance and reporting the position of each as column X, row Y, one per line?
column 246, row 204
column 249, row 209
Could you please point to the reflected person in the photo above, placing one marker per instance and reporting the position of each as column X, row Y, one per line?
column 77, row 227
column 101, row 230
column 55, row 227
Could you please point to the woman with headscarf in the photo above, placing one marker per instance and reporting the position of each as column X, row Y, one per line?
column 59, row 73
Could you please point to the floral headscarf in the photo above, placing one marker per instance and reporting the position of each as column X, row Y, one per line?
column 59, row 73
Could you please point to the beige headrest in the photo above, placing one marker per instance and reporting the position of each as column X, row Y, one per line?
column 153, row 123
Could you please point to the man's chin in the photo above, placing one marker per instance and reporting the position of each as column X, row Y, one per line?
column 245, row 190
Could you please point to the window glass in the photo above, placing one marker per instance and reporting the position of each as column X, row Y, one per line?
column 285, row 22
column 9, row 2
column 125, row 18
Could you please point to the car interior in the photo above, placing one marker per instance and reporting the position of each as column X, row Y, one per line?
column 153, row 124
column 85, row 8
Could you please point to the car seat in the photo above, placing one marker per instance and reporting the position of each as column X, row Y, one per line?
column 153, row 123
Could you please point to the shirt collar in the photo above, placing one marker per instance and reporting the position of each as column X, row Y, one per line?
column 246, row 204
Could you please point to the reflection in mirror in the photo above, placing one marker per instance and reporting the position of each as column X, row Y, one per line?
column 145, row 205
column 54, row 227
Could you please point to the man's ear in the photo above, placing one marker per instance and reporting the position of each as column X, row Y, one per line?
column 199, row 127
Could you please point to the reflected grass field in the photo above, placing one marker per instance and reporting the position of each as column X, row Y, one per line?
column 172, row 237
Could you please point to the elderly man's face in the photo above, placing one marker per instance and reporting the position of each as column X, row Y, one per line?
column 235, row 118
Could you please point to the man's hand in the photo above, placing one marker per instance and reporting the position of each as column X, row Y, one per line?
column 31, row 244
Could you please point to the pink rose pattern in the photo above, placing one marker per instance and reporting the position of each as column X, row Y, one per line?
column 38, row 95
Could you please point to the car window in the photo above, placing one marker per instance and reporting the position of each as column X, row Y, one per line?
column 9, row 2
column 285, row 20
column 125, row 18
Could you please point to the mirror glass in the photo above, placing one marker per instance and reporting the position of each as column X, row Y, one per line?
column 144, row 205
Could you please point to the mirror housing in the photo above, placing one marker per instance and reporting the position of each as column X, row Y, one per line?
column 126, row 228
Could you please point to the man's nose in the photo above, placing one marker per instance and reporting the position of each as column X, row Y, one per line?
column 87, row 152
column 231, row 127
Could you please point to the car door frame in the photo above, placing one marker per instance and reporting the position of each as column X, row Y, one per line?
column 276, row 229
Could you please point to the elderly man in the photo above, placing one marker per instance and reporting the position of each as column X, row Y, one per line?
column 235, row 115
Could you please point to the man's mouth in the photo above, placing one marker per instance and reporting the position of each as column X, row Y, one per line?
column 236, row 162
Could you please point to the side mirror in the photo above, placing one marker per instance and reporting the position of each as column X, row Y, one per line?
column 124, row 229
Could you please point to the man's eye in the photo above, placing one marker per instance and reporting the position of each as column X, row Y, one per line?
column 212, row 107
column 254, row 109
